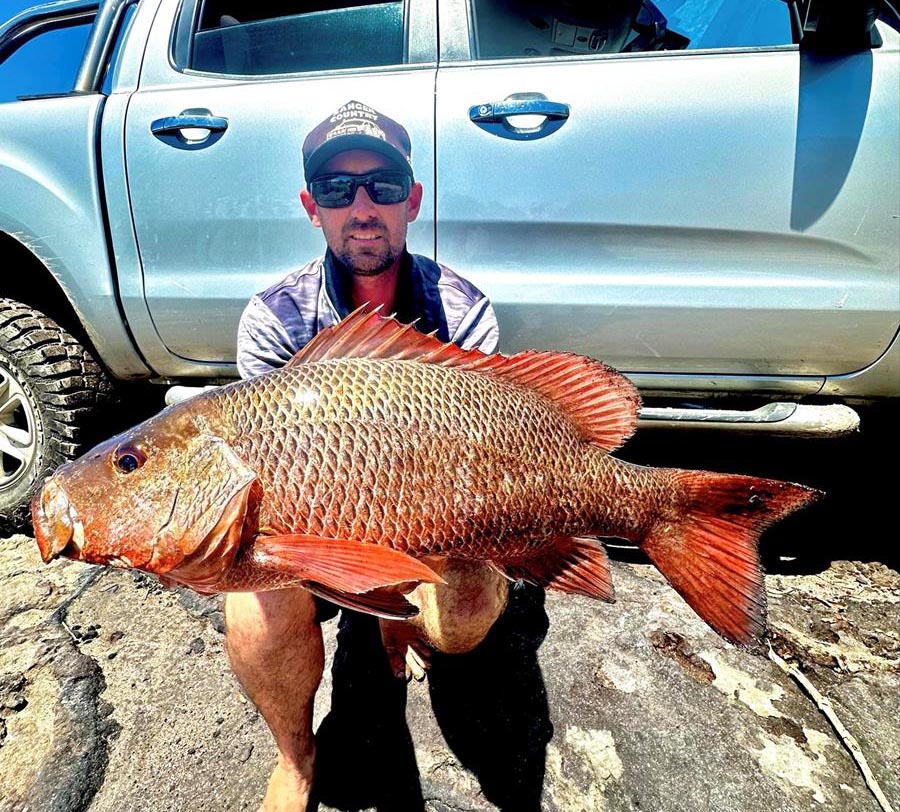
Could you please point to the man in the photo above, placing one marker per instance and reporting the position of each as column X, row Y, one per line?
column 361, row 192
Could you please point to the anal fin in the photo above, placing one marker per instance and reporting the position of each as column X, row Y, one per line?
column 575, row 565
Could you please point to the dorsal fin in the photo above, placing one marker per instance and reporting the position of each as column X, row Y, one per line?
column 602, row 403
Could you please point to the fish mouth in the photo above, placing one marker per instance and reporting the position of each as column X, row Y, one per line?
column 58, row 528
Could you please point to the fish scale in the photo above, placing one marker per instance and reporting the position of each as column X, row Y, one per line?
column 397, row 435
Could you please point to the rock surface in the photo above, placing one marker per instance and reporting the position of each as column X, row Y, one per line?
column 116, row 694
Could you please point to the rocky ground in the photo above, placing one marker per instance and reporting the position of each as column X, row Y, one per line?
column 116, row 695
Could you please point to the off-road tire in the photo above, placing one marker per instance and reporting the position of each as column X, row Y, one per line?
column 59, row 395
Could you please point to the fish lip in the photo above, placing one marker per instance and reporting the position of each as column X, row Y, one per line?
column 58, row 529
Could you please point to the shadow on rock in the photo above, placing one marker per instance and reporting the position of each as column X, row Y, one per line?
column 491, row 706
column 364, row 751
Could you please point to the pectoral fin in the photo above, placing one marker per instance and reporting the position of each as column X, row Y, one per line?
column 362, row 576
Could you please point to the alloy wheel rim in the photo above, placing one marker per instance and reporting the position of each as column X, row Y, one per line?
column 18, row 435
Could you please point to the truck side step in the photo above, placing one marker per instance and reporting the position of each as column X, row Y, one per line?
column 176, row 394
column 787, row 419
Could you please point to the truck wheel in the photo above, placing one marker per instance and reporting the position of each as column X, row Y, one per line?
column 51, row 392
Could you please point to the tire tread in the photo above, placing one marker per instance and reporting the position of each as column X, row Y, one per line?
column 69, row 387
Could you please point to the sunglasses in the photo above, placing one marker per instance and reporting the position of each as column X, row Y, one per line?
column 384, row 187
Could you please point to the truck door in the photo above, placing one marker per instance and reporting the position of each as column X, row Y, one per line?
column 228, row 92
column 671, row 187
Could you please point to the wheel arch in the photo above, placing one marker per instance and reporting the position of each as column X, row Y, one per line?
column 28, row 280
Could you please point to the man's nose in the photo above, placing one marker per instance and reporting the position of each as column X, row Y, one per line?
column 362, row 203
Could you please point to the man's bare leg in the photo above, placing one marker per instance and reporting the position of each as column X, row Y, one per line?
column 453, row 618
column 276, row 651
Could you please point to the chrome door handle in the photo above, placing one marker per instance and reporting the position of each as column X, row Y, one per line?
column 494, row 116
column 189, row 120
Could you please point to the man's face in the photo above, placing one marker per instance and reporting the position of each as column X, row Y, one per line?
column 366, row 237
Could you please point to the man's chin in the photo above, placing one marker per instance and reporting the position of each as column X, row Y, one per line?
column 365, row 263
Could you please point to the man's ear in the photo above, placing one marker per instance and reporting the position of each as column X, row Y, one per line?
column 414, row 202
column 312, row 210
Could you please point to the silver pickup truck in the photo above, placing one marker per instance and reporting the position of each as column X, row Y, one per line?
column 703, row 194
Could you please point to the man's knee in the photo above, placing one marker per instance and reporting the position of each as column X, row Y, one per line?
column 276, row 651
column 269, row 619
column 455, row 617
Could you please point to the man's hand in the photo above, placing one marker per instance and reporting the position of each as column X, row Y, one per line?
column 408, row 654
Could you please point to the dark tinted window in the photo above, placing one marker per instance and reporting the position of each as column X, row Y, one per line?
column 270, row 36
column 46, row 64
column 517, row 28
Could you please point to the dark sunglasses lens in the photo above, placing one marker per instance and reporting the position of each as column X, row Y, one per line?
column 383, row 188
column 388, row 189
column 333, row 193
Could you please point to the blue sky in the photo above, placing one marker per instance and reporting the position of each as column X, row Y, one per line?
column 47, row 64
column 9, row 7
column 717, row 23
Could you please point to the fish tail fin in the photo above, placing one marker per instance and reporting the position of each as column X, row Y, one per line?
column 576, row 565
column 708, row 551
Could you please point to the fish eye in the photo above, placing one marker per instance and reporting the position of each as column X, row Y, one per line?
column 129, row 459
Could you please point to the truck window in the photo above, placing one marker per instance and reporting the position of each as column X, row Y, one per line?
column 256, row 37
column 506, row 29
column 46, row 64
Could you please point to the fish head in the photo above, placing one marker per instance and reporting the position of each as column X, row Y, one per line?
column 155, row 498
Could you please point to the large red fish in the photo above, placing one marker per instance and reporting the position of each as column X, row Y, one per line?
column 376, row 446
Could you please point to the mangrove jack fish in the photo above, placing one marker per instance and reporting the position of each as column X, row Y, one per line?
column 377, row 446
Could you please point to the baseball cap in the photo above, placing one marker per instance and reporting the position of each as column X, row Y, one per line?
column 355, row 125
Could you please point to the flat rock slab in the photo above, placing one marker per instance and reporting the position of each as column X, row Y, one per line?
column 116, row 694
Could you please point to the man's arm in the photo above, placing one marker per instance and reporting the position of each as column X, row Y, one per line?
column 263, row 343
column 478, row 328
